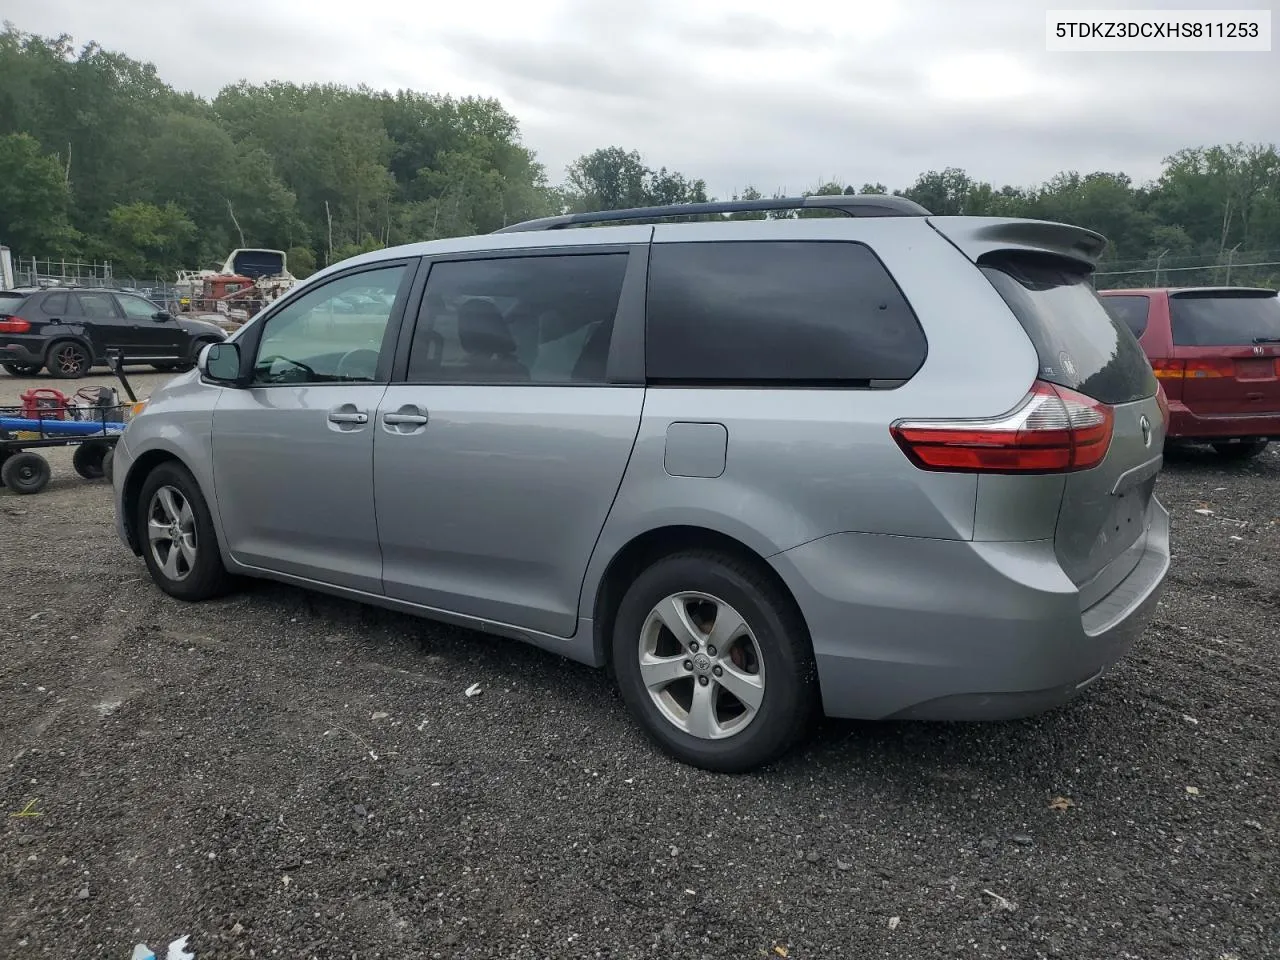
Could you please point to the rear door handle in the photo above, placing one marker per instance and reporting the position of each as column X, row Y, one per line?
column 336, row 416
column 411, row 419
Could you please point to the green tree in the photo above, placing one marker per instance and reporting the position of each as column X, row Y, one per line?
column 144, row 240
column 33, row 199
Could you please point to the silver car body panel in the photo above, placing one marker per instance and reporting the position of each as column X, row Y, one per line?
column 925, row 593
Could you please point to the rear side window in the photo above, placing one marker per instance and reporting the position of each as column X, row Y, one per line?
column 1224, row 319
column 97, row 306
column 1080, row 344
column 800, row 312
column 1129, row 310
column 535, row 319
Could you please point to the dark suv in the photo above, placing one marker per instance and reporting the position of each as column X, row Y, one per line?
column 68, row 330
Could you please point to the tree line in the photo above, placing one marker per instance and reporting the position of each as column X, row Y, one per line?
column 101, row 159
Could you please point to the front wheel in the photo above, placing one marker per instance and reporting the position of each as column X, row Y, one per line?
column 715, row 662
column 1244, row 450
column 175, row 530
column 21, row 369
column 25, row 472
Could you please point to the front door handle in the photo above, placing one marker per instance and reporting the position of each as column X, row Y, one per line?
column 337, row 416
column 409, row 419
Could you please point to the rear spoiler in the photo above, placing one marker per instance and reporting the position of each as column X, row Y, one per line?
column 976, row 237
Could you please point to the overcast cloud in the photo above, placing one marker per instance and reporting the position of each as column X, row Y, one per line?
column 775, row 93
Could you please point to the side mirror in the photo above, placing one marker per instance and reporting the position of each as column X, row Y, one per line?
column 220, row 362
column 161, row 315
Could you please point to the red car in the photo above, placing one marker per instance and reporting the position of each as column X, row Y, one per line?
column 1216, row 351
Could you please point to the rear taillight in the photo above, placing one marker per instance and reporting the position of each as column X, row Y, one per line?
column 14, row 325
column 1053, row 430
column 1193, row 369
column 1162, row 401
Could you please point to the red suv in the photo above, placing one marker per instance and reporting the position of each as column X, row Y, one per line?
column 1216, row 351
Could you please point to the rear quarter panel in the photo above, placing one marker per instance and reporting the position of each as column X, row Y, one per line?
column 807, row 463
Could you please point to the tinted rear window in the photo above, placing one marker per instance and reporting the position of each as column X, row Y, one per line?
column 11, row 303
column 1224, row 320
column 777, row 312
column 1129, row 310
column 1080, row 345
column 55, row 304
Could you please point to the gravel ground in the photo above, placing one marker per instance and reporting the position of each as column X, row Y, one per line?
column 282, row 774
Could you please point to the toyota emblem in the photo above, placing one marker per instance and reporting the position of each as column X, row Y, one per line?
column 1145, row 424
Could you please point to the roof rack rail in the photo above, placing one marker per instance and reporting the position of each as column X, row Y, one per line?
column 852, row 205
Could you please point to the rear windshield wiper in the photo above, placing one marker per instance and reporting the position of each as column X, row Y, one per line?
column 1266, row 339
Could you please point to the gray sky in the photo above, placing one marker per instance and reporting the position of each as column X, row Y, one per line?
column 776, row 93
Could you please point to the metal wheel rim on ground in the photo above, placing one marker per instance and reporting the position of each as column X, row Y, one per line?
column 68, row 359
column 701, row 665
column 171, row 533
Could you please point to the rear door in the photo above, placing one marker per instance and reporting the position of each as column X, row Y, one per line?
column 1104, row 517
column 105, row 325
column 498, row 456
column 1229, row 344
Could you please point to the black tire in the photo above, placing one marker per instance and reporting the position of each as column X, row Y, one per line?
column 196, row 347
column 25, row 472
column 21, row 369
column 107, row 462
column 790, row 699
column 204, row 579
column 89, row 458
column 166, row 367
column 68, row 360
column 1244, row 450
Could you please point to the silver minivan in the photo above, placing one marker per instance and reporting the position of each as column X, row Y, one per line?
column 872, row 463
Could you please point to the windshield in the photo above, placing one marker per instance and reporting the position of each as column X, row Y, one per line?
column 1080, row 345
column 1224, row 319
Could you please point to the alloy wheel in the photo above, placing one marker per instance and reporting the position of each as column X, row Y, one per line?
column 701, row 665
column 171, row 532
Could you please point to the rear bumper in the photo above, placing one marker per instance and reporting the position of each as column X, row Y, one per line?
column 906, row 627
column 23, row 350
column 1184, row 424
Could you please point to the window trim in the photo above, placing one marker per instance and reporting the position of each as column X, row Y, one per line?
column 877, row 384
column 251, row 339
column 625, row 366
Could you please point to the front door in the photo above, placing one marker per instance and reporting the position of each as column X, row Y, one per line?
column 497, row 461
column 158, row 340
column 293, row 452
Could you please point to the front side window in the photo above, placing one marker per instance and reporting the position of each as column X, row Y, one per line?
column 135, row 308
column 331, row 334
column 538, row 319
column 777, row 312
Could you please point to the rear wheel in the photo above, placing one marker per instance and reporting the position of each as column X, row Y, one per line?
column 25, row 472
column 1243, row 450
column 21, row 369
column 175, row 530
column 714, row 661
column 89, row 459
column 68, row 360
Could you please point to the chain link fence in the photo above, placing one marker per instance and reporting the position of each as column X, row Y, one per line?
column 1257, row 268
